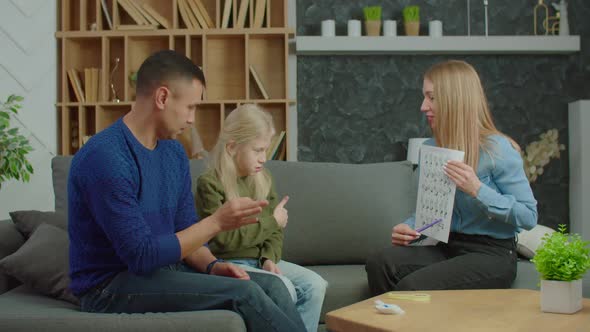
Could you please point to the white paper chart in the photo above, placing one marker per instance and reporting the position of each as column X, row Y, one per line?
column 436, row 192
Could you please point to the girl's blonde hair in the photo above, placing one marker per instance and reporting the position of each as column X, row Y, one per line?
column 244, row 124
column 462, row 120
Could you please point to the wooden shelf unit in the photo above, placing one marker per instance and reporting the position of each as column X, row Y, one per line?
column 225, row 55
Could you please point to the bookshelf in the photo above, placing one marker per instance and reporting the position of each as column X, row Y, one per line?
column 88, row 39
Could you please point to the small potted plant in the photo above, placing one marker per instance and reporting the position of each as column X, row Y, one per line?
column 562, row 260
column 13, row 146
column 412, row 20
column 373, row 20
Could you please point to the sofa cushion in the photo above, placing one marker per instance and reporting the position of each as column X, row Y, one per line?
column 347, row 284
column 529, row 241
column 23, row 309
column 60, row 167
column 10, row 241
column 42, row 263
column 344, row 211
column 27, row 221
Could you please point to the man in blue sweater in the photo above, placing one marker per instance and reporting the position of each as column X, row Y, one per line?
column 135, row 243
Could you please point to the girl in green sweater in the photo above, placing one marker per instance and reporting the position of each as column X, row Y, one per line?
column 236, row 170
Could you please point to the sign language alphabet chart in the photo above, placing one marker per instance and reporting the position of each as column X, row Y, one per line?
column 436, row 192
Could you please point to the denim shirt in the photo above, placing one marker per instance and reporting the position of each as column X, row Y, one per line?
column 504, row 204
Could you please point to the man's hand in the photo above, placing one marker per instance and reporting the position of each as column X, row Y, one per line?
column 229, row 270
column 237, row 213
column 402, row 235
column 270, row 266
column 463, row 176
column 280, row 213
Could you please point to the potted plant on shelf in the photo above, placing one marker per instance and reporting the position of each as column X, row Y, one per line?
column 13, row 146
column 412, row 20
column 373, row 20
column 562, row 260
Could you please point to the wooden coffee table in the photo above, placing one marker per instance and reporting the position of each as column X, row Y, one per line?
column 460, row 310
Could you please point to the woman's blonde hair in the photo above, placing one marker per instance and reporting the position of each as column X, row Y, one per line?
column 462, row 120
column 244, row 124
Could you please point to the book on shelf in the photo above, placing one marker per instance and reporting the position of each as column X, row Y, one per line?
column 76, row 84
column 183, row 14
column 132, row 12
column 128, row 27
column 226, row 14
column 258, row 82
column 144, row 13
column 259, row 14
column 242, row 13
column 91, row 84
column 283, row 152
column 87, row 85
column 196, row 12
column 161, row 19
column 107, row 16
column 187, row 15
column 275, row 143
column 204, row 12
column 96, row 82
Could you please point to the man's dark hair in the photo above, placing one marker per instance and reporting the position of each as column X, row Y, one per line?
column 165, row 66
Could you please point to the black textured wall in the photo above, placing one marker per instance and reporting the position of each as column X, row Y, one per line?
column 362, row 109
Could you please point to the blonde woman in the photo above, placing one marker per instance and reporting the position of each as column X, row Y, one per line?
column 237, row 170
column 493, row 202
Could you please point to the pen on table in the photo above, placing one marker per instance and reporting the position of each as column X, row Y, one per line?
column 421, row 229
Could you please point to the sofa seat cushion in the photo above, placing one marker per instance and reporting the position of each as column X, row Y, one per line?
column 347, row 284
column 23, row 309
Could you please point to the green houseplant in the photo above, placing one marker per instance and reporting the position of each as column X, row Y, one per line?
column 372, row 20
column 411, row 20
column 13, row 146
column 562, row 260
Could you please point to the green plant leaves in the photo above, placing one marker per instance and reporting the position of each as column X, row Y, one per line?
column 14, row 147
column 372, row 13
column 562, row 256
column 411, row 13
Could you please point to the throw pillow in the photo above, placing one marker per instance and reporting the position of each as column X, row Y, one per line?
column 42, row 263
column 529, row 241
column 27, row 221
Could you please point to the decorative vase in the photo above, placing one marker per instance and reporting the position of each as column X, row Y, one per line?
column 562, row 297
column 412, row 28
column 373, row 28
column 564, row 27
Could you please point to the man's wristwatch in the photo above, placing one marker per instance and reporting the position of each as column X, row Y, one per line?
column 210, row 265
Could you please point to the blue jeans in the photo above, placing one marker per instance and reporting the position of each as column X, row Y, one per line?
column 263, row 302
column 306, row 287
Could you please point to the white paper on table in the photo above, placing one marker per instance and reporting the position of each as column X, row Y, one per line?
column 436, row 192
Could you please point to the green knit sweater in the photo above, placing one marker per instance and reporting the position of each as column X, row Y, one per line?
column 260, row 240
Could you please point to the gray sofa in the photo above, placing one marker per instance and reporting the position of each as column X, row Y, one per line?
column 338, row 213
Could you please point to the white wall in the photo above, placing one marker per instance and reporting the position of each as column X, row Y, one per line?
column 579, row 160
column 28, row 64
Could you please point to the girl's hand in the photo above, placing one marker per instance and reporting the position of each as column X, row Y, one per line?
column 270, row 266
column 463, row 176
column 280, row 213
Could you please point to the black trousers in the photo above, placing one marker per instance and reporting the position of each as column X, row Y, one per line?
column 465, row 262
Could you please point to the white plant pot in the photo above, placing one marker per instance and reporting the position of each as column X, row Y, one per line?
column 562, row 297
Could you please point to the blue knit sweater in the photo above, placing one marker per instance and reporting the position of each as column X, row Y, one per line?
column 125, row 204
